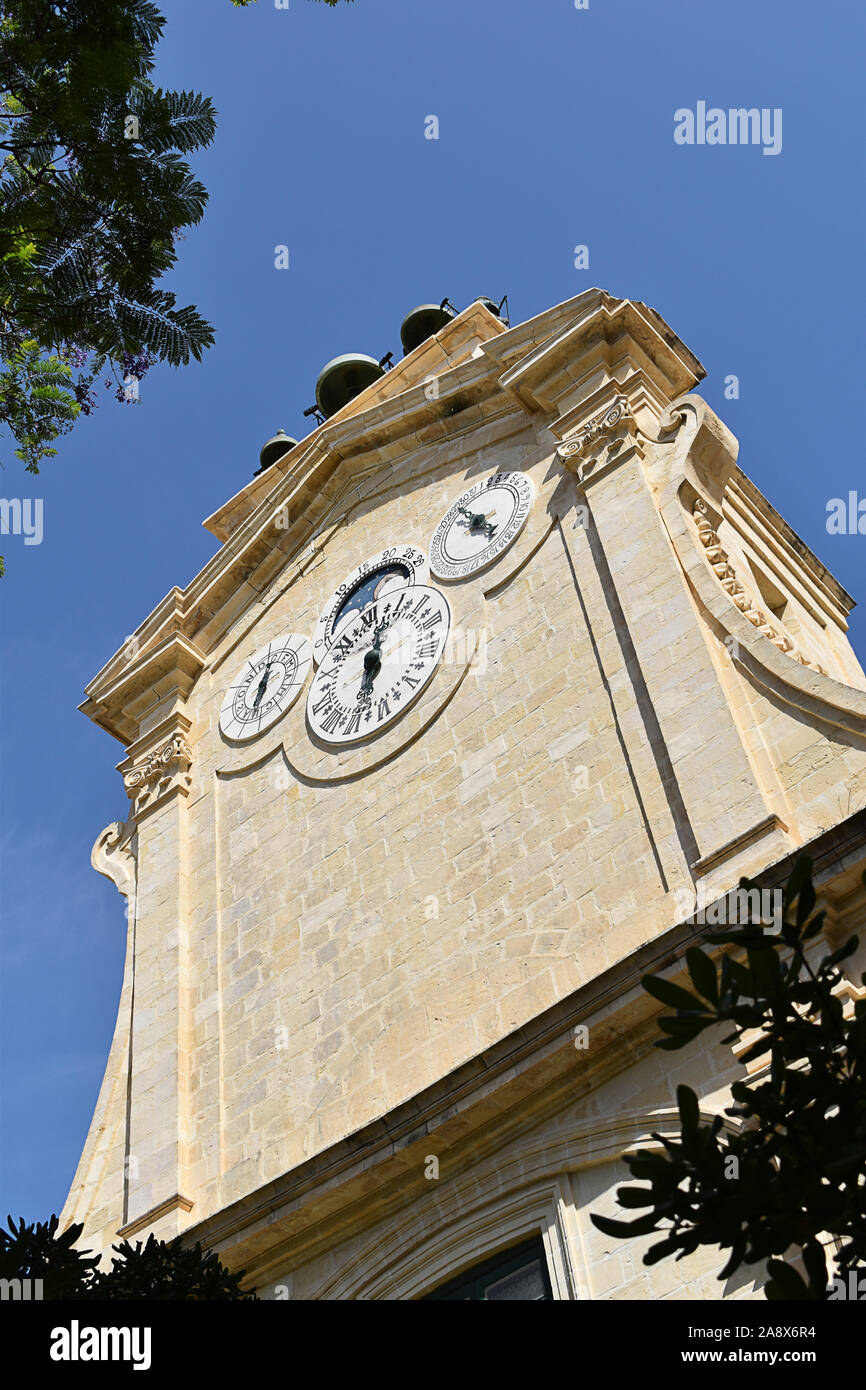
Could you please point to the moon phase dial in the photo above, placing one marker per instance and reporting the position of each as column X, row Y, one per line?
column 378, row 663
column 391, row 569
column 481, row 525
column 266, row 686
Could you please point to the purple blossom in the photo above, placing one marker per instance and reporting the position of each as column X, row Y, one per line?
column 137, row 364
column 73, row 355
column 85, row 397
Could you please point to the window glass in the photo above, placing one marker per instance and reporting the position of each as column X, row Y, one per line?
column 519, row 1273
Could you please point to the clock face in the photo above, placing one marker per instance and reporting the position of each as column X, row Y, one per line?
column 266, row 685
column 481, row 524
column 391, row 569
column 378, row 663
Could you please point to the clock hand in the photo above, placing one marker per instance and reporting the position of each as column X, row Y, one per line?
column 262, row 686
column 373, row 660
column 478, row 521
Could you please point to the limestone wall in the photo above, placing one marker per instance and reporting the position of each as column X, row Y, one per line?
column 317, row 935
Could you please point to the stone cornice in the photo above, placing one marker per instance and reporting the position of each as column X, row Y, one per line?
column 149, row 1218
column 493, row 344
column 615, row 328
column 128, row 687
column 459, row 341
column 822, row 588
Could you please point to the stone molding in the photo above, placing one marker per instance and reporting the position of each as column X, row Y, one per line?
column 606, row 330
column 172, row 1204
column 493, row 1209
column 747, row 837
column 696, row 456
column 738, row 594
column 408, row 1270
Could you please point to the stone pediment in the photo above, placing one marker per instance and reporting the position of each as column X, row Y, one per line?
column 458, row 341
column 558, row 364
column 535, row 362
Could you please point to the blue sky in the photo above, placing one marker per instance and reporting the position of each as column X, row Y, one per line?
column 555, row 130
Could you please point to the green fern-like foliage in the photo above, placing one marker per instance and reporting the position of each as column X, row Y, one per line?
column 94, row 193
column 35, row 394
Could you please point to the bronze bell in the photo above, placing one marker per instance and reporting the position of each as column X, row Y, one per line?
column 344, row 378
column 488, row 304
column 422, row 323
column 273, row 450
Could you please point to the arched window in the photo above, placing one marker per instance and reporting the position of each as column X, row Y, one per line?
column 519, row 1273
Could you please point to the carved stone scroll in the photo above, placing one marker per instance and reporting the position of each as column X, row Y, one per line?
column 160, row 774
column 601, row 439
column 739, row 596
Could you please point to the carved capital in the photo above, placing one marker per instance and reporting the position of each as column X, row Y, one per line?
column 602, row 441
column 163, row 772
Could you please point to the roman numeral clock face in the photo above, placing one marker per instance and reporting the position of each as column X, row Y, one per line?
column 382, row 633
column 378, row 663
column 393, row 568
column 266, row 685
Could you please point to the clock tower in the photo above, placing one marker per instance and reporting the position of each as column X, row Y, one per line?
column 495, row 678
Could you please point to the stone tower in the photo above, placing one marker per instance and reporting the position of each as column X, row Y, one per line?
column 393, row 878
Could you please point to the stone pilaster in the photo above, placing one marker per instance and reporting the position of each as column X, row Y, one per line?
column 157, row 778
column 714, row 792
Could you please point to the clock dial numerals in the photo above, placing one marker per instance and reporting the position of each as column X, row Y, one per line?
column 370, row 588
column 481, row 525
column 390, row 570
column 266, row 686
column 378, row 663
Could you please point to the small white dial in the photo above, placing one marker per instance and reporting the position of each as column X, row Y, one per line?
column 378, row 663
column 393, row 568
column 481, row 524
column 266, row 685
